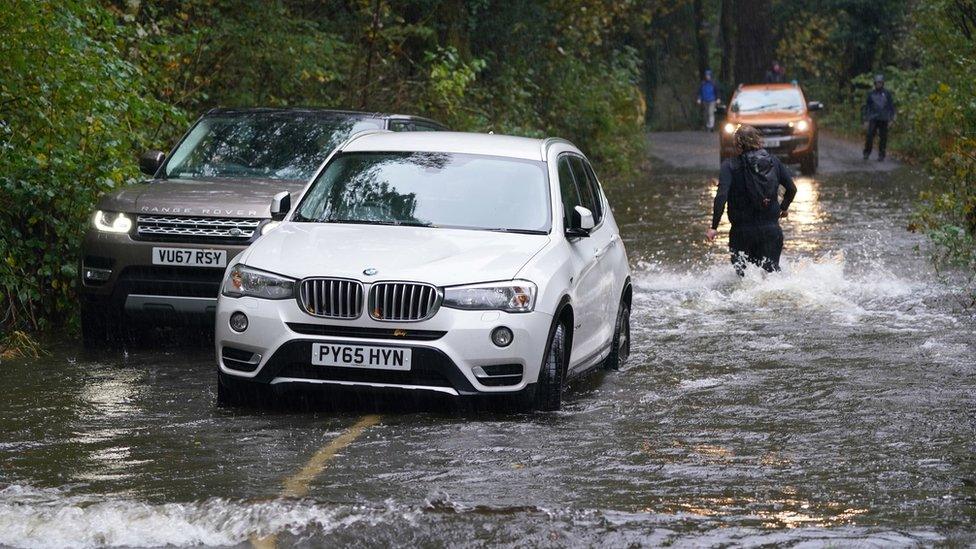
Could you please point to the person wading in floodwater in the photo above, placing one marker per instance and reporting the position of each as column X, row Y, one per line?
column 750, row 183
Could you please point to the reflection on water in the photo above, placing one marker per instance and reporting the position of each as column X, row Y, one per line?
column 102, row 429
column 807, row 218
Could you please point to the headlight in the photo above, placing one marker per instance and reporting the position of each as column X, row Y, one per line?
column 515, row 296
column 111, row 222
column 730, row 128
column 269, row 226
column 802, row 126
column 242, row 281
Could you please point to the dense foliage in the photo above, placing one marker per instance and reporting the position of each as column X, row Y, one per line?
column 940, row 108
column 74, row 111
column 86, row 85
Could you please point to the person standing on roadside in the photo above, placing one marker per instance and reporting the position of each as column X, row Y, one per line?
column 707, row 97
column 750, row 183
column 878, row 114
column 776, row 74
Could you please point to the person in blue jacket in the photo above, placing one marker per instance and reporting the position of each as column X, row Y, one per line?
column 707, row 97
column 878, row 114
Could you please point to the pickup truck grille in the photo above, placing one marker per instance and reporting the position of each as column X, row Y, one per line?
column 403, row 301
column 331, row 297
column 775, row 131
column 227, row 228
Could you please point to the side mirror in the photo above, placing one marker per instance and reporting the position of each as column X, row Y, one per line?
column 581, row 222
column 814, row 106
column 151, row 161
column 721, row 109
column 280, row 206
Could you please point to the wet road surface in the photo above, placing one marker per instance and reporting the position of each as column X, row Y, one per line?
column 831, row 404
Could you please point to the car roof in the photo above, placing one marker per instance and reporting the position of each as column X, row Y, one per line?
column 768, row 87
column 449, row 142
column 320, row 111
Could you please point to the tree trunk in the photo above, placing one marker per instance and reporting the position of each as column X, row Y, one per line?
column 371, row 51
column 727, row 29
column 701, row 39
column 753, row 41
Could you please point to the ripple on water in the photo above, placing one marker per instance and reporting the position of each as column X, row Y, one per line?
column 37, row 518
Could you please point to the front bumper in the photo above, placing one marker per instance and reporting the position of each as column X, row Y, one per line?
column 128, row 281
column 452, row 351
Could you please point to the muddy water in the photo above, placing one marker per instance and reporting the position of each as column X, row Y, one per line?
column 833, row 403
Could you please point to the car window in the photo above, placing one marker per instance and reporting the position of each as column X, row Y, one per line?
column 595, row 185
column 567, row 189
column 261, row 145
column 431, row 189
column 401, row 126
column 586, row 190
column 424, row 127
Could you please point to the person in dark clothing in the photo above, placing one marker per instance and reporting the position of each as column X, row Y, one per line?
column 750, row 183
column 878, row 114
column 776, row 74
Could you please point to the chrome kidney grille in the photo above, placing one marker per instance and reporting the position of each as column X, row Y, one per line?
column 403, row 301
column 200, row 227
column 331, row 297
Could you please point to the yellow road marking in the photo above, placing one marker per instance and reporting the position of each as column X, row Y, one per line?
column 296, row 486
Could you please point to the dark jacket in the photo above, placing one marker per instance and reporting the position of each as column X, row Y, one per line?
column 732, row 189
column 880, row 106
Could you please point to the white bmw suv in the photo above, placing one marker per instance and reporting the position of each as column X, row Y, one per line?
column 454, row 263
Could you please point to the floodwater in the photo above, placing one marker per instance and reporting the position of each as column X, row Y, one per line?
column 831, row 404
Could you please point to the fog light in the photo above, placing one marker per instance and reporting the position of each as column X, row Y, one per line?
column 97, row 275
column 502, row 336
column 238, row 321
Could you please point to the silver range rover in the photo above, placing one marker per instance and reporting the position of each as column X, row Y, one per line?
column 156, row 251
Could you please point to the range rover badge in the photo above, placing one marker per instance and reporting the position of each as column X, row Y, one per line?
column 370, row 271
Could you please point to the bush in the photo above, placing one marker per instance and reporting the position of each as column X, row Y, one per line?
column 75, row 113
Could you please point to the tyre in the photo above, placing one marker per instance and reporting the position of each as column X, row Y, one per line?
column 810, row 162
column 235, row 393
column 552, row 376
column 620, row 347
column 97, row 325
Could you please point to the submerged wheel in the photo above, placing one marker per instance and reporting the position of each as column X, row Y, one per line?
column 620, row 347
column 234, row 393
column 97, row 326
column 810, row 162
column 552, row 376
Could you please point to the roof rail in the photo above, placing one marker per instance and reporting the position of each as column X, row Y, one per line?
column 359, row 134
column 550, row 141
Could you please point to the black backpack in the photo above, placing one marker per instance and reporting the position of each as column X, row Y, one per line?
column 758, row 174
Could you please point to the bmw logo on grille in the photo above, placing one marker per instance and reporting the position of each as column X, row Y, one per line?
column 370, row 271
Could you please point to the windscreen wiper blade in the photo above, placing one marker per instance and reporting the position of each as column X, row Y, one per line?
column 516, row 231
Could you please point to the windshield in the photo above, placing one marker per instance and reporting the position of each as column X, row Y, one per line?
column 768, row 100
column 261, row 145
column 431, row 189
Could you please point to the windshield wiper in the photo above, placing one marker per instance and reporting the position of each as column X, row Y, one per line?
column 759, row 108
column 516, row 231
column 378, row 222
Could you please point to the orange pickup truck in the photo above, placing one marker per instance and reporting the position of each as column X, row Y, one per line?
column 783, row 115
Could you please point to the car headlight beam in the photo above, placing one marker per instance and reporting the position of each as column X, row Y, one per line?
column 513, row 296
column 802, row 126
column 111, row 222
column 242, row 281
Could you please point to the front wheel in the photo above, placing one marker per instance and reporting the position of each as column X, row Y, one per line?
column 552, row 376
column 620, row 347
column 235, row 393
column 810, row 162
column 97, row 325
